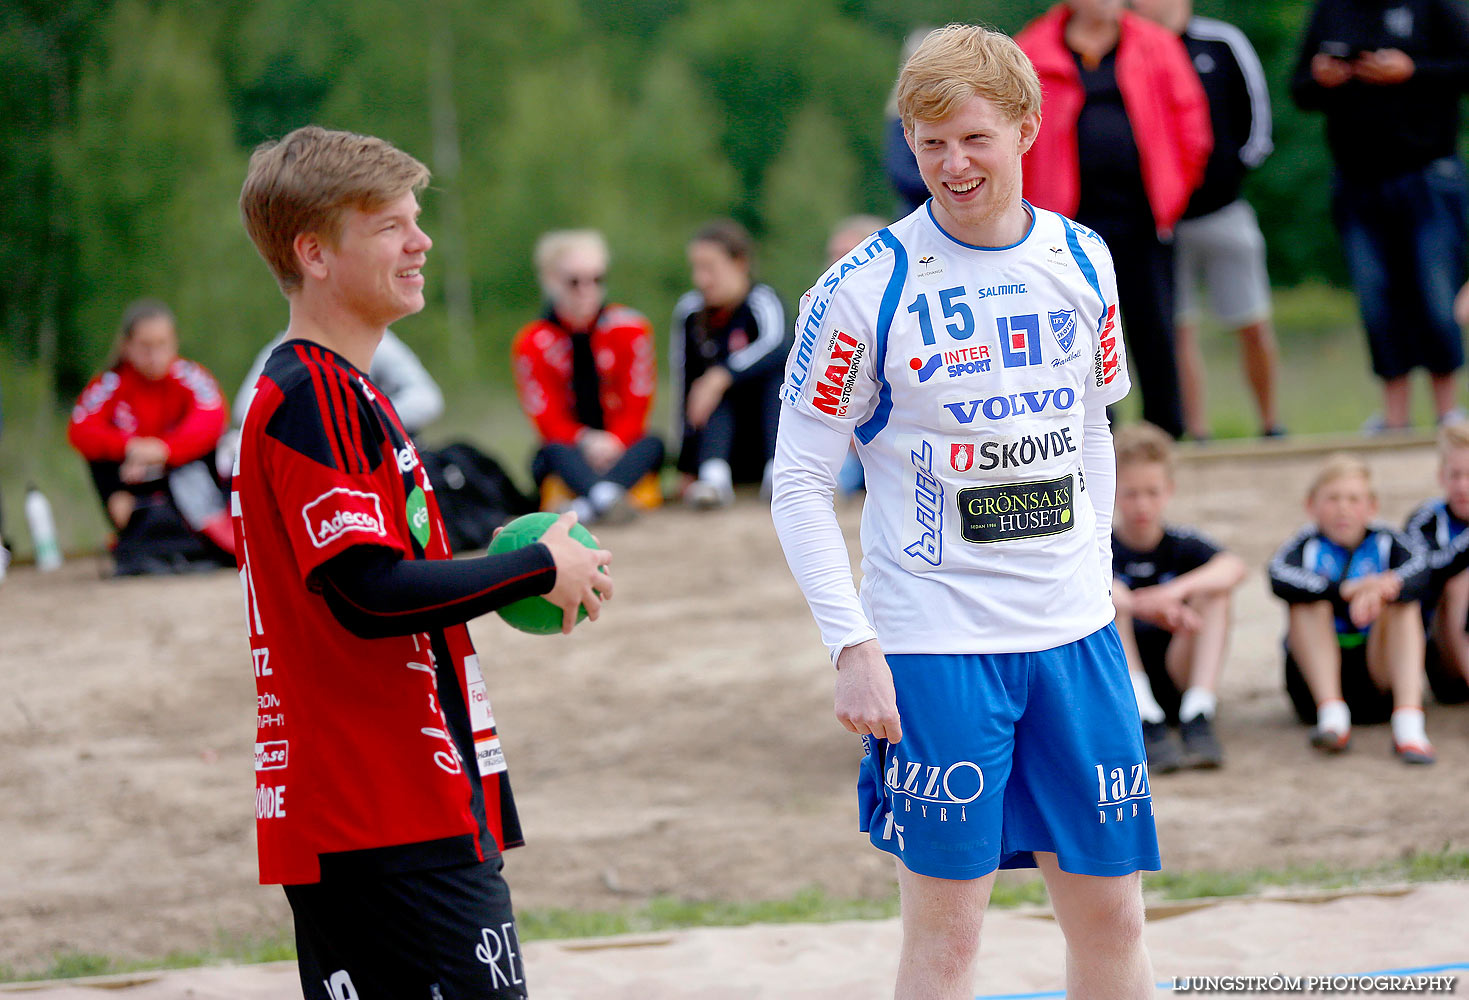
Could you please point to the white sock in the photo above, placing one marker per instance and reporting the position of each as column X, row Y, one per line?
column 1197, row 701
column 605, row 495
column 1334, row 716
column 1407, row 726
column 585, row 512
column 1147, row 705
column 717, row 472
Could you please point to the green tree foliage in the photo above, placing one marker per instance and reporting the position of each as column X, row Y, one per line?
column 126, row 125
column 42, row 48
column 1291, row 191
column 811, row 186
column 152, row 174
column 673, row 148
column 763, row 60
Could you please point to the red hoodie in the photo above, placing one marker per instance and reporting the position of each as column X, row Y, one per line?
column 184, row 409
column 1165, row 103
column 622, row 344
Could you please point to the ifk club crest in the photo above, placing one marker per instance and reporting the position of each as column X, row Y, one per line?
column 1063, row 325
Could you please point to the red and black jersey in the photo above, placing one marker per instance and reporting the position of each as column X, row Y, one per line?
column 370, row 753
column 621, row 343
column 184, row 409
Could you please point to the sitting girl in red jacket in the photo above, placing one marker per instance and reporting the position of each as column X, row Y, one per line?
column 147, row 427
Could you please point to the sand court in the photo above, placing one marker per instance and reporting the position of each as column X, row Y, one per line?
column 681, row 748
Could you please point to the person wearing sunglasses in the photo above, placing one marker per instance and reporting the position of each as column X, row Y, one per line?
column 585, row 371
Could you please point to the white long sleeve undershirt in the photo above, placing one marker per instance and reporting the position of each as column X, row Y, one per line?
column 1099, row 465
column 808, row 456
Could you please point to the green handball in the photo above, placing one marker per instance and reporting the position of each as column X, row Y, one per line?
column 535, row 615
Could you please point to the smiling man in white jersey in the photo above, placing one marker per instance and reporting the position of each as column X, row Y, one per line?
column 972, row 348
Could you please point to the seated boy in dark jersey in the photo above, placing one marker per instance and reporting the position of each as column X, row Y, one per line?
column 1171, row 587
column 1437, row 527
column 1354, row 648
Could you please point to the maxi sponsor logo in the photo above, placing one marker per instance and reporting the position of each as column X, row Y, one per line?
column 1014, row 454
column 928, row 508
column 1013, row 405
column 844, row 362
column 1105, row 364
column 340, row 510
column 1012, row 511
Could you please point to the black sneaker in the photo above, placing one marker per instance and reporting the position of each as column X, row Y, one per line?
column 1200, row 744
column 1165, row 755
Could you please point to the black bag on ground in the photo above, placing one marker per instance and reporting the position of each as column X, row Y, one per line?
column 475, row 494
column 158, row 541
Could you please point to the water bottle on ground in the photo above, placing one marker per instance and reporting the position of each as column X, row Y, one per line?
column 43, row 529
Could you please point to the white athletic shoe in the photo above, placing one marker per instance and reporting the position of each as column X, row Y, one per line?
column 704, row 495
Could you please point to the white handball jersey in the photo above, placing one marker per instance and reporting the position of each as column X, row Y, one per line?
column 964, row 374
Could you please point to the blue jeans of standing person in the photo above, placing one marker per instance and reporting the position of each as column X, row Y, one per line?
column 1405, row 241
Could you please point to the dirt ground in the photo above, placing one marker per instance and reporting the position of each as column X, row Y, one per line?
column 684, row 745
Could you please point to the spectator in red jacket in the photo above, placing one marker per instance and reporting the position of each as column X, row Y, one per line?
column 148, row 426
column 1124, row 139
column 585, row 371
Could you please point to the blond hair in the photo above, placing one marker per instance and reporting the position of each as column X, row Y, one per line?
column 308, row 181
column 1340, row 466
column 961, row 61
column 1452, row 437
column 1143, row 442
column 557, row 243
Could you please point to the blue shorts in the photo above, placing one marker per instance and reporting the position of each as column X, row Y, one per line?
column 1005, row 754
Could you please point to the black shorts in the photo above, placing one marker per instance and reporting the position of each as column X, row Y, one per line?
column 444, row 934
column 1152, row 648
column 1366, row 701
column 1448, row 686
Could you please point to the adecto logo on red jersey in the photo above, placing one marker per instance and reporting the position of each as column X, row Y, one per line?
column 271, row 756
column 340, row 510
column 844, row 361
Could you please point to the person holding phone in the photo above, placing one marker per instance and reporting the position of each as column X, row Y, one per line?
column 1395, row 72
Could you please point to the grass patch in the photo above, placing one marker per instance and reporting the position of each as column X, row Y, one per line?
column 809, row 905
column 230, row 950
column 1446, row 865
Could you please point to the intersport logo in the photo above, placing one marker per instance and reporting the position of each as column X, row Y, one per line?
column 340, row 510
